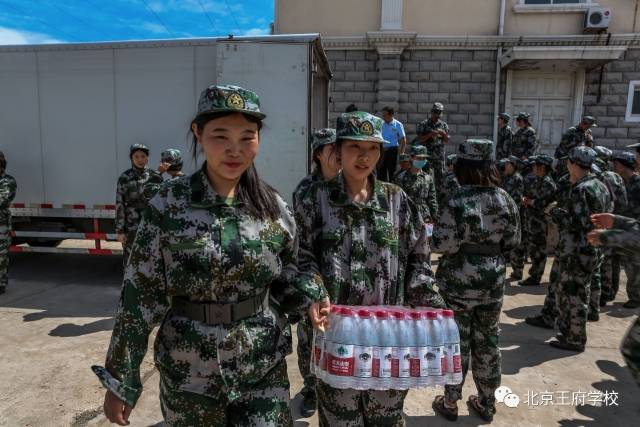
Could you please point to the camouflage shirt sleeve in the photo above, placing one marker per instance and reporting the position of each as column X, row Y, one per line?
column 432, row 199
column 624, row 235
column 532, row 143
column 518, row 189
column 143, row 304
column 8, row 188
column 545, row 195
column 121, row 219
column 447, row 233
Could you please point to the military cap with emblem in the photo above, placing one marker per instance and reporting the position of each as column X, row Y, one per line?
column 590, row 120
column 437, row 106
column 229, row 98
column 138, row 147
column 582, row 156
column 505, row 116
column 451, row 159
column 626, row 158
column 323, row 137
column 418, row 150
column 360, row 126
column 543, row 159
column 636, row 146
column 603, row 153
column 172, row 156
column 523, row 116
column 476, row 149
column 405, row 157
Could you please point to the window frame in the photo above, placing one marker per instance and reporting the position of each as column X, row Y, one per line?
column 629, row 116
column 523, row 7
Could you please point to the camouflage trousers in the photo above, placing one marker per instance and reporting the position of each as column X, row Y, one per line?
column 631, row 349
column 351, row 408
column 477, row 320
column 130, row 236
column 573, row 296
column 518, row 256
column 265, row 405
column 5, row 243
column 437, row 170
column 595, row 289
column 632, row 271
column 549, row 310
column 536, row 244
column 305, row 336
column 610, row 275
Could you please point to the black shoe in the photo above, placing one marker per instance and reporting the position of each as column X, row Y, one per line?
column 530, row 281
column 631, row 304
column 593, row 317
column 309, row 403
column 516, row 275
column 538, row 322
column 566, row 346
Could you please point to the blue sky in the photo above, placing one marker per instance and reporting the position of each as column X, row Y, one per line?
column 61, row 21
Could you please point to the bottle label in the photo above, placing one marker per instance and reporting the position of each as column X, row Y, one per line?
column 418, row 362
column 381, row 366
column 340, row 361
column 434, row 361
column 453, row 360
column 363, row 357
column 401, row 362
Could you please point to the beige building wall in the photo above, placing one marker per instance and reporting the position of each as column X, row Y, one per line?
column 437, row 17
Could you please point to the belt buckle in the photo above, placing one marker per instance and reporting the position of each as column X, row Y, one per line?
column 219, row 314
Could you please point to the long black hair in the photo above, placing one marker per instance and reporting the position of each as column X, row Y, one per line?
column 476, row 172
column 258, row 196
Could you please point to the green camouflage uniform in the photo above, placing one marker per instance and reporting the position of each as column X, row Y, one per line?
column 472, row 281
column 435, row 150
column 578, row 260
column 174, row 158
column 131, row 202
column 633, row 211
column 8, row 189
column 514, row 185
column 451, row 183
column 195, row 245
column 525, row 142
column 505, row 140
column 542, row 191
column 519, row 255
column 625, row 236
column 422, row 191
column 573, row 137
column 367, row 254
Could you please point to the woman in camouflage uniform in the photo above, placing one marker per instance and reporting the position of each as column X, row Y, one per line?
column 478, row 225
column 8, row 188
column 365, row 238
column 211, row 251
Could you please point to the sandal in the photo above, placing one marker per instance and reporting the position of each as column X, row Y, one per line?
column 450, row 414
column 485, row 413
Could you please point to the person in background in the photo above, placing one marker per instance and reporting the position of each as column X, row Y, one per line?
column 450, row 180
column 171, row 164
column 574, row 136
column 393, row 134
column 433, row 134
column 8, row 188
column 405, row 165
column 419, row 185
column 505, row 136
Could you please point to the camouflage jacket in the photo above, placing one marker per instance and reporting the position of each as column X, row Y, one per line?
column 543, row 192
column 573, row 137
column 625, row 235
column 370, row 254
column 617, row 190
column 587, row 197
column 130, row 198
column 8, row 188
column 633, row 197
column 503, row 146
column 151, row 188
column 451, row 183
column 435, row 146
column 563, row 191
column 195, row 244
column 304, row 185
column 482, row 217
column 514, row 185
column 525, row 142
column 422, row 191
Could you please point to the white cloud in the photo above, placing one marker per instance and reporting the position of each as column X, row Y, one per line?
column 153, row 27
column 13, row 36
column 257, row 32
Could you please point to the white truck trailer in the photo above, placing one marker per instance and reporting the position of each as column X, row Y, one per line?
column 69, row 112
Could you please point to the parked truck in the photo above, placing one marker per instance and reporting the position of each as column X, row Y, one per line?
column 69, row 112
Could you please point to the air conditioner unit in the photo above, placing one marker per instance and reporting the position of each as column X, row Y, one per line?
column 597, row 19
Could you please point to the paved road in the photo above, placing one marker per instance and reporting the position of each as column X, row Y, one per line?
column 57, row 316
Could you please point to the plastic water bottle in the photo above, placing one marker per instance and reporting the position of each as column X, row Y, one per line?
column 340, row 352
column 322, row 373
column 452, row 348
column 401, row 362
column 382, row 351
column 363, row 350
column 317, row 352
column 435, row 352
column 419, row 372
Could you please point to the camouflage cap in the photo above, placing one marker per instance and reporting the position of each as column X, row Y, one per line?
column 171, row 156
column 418, row 150
column 513, row 159
column 138, row 147
column 322, row 137
column 361, row 126
column 437, row 106
column 523, row 116
column 595, row 168
column 601, row 163
column 636, row 146
column 405, row 157
column 590, row 120
column 626, row 158
column 543, row 159
column 504, row 116
column 451, row 159
column 582, row 156
column 531, row 160
column 502, row 163
column 603, row 153
column 476, row 149
column 229, row 98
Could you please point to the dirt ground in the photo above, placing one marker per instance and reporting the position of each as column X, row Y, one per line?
column 58, row 313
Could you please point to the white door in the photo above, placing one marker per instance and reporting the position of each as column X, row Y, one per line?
column 548, row 97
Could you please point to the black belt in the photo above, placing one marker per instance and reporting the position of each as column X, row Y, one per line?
column 489, row 249
column 214, row 313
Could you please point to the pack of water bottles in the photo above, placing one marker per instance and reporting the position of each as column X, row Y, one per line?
column 387, row 347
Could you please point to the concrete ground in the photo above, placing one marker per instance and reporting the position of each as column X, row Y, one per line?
column 56, row 320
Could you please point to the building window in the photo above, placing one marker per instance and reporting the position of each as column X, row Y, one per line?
column 554, row 1
column 633, row 102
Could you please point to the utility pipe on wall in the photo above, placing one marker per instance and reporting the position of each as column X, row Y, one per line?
column 496, row 102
